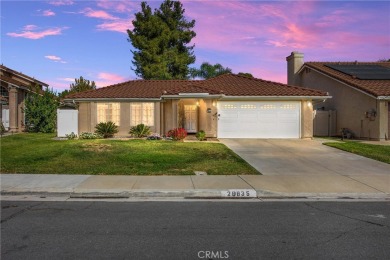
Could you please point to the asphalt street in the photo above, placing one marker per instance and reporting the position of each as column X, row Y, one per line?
column 195, row 230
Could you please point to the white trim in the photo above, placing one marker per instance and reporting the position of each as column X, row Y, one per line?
column 197, row 94
column 384, row 97
column 113, row 99
column 290, row 98
column 191, row 95
column 348, row 85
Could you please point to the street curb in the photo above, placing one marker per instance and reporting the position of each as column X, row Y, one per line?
column 197, row 194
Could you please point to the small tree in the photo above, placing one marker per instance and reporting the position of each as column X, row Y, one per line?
column 207, row 71
column 41, row 111
column 244, row 74
column 80, row 85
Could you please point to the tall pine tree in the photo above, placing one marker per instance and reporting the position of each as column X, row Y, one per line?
column 161, row 41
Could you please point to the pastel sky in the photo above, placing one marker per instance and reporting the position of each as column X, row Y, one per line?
column 57, row 41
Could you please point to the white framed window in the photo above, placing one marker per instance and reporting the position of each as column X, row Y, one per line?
column 142, row 113
column 108, row 112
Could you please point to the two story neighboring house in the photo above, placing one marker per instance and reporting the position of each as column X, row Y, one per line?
column 13, row 91
column 360, row 92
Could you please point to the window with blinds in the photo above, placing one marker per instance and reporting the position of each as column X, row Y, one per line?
column 108, row 112
column 142, row 113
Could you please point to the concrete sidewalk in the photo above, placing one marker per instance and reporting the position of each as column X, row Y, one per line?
column 373, row 186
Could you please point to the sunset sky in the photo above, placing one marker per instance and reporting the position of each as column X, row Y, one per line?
column 57, row 41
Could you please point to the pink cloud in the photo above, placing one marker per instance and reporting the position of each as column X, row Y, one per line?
column 98, row 14
column 30, row 27
column 61, row 2
column 67, row 79
column 122, row 6
column 54, row 58
column 48, row 13
column 29, row 32
column 106, row 79
column 116, row 26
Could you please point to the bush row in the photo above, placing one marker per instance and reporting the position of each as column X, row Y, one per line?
column 108, row 129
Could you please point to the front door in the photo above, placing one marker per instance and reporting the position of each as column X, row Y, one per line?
column 191, row 118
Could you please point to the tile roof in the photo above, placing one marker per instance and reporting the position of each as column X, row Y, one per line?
column 140, row 89
column 374, row 87
column 235, row 85
column 227, row 84
column 16, row 82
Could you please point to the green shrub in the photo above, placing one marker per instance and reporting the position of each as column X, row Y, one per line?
column 107, row 129
column 201, row 135
column 154, row 136
column 71, row 136
column 140, row 130
column 86, row 135
column 2, row 128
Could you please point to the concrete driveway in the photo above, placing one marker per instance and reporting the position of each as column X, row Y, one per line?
column 303, row 157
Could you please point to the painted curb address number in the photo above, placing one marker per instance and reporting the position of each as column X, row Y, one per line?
column 238, row 193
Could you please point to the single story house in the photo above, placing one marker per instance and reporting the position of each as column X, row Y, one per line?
column 227, row 106
column 360, row 92
column 13, row 91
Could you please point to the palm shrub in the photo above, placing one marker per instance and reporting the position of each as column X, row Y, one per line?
column 140, row 130
column 201, row 135
column 106, row 129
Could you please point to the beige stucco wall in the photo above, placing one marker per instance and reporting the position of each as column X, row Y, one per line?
column 21, row 102
column 383, row 118
column 88, row 118
column 351, row 105
column 306, row 119
column 85, row 117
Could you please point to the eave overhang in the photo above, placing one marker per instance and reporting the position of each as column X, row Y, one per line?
column 112, row 99
column 192, row 95
column 275, row 98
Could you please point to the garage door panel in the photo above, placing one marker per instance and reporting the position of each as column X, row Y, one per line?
column 259, row 119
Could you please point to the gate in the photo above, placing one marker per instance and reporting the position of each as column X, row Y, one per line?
column 324, row 123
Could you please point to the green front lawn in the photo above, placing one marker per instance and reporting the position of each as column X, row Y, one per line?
column 376, row 152
column 40, row 153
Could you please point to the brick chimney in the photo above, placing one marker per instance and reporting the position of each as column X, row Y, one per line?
column 294, row 63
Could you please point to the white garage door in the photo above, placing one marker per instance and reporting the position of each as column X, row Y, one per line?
column 259, row 119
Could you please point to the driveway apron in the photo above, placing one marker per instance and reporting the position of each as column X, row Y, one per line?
column 303, row 157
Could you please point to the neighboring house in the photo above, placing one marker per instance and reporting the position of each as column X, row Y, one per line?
column 14, row 88
column 227, row 106
column 360, row 92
